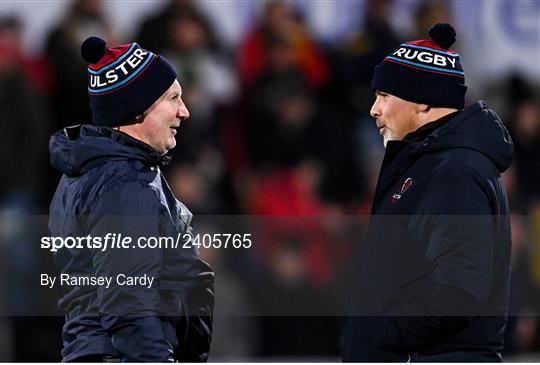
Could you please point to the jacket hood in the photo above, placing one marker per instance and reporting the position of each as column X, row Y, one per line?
column 75, row 150
column 478, row 128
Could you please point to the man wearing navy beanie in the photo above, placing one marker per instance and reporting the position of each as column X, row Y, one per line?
column 124, row 299
column 433, row 276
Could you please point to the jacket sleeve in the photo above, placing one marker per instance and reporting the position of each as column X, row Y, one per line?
column 130, row 211
column 456, row 222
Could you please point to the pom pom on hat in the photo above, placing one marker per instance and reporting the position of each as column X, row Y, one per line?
column 92, row 49
column 443, row 34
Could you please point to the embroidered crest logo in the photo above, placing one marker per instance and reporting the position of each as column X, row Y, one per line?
column 406, row 185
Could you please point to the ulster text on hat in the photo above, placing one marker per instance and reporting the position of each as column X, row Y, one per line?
column 123, row 70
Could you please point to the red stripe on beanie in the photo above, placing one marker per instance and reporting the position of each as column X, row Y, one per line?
column 430, row 44
column 111, row 55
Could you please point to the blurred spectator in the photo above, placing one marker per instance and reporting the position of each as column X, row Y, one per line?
column 286, row 123
column 234, row 334
column 362, row 52
column 25, row 120
column 516, row 199
column 25, row 128
column 35, row 67
column 281, row 22
column 84, row 18
column 202, row 64
column 293, row 192
column 155, row 31
column 523, row 329
column 199, row 184
column 283, row 127
column 209, row 82
column 293, row 321
column 428, row 13
column 525, row 130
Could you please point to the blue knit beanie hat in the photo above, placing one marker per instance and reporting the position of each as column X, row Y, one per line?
column 123, row 81
column 424, row 71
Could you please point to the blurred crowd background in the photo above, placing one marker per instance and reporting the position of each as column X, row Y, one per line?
column 279, row 94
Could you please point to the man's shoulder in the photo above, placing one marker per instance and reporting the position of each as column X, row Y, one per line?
column 464, row 160
column 120, row 171
column 117, row 177
column 456, row 172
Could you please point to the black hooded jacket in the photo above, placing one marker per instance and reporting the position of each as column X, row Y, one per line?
column 434, row 270
column 112, row 184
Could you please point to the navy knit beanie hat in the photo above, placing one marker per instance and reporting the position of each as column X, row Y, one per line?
column 424, row 71
column 123, row 81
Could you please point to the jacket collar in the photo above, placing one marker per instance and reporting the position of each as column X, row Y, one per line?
column 424, row 131
column 128, row 141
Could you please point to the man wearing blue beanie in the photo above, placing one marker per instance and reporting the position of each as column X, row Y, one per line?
column 124, row 299
column 433, row 278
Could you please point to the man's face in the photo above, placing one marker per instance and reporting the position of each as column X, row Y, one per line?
column 395, row 117
column 162, row 118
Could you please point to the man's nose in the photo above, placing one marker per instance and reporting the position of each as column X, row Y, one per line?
column 183, row 112
column 375, row 111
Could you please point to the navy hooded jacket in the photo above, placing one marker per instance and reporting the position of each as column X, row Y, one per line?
column 433, row 278
column 112, row 183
